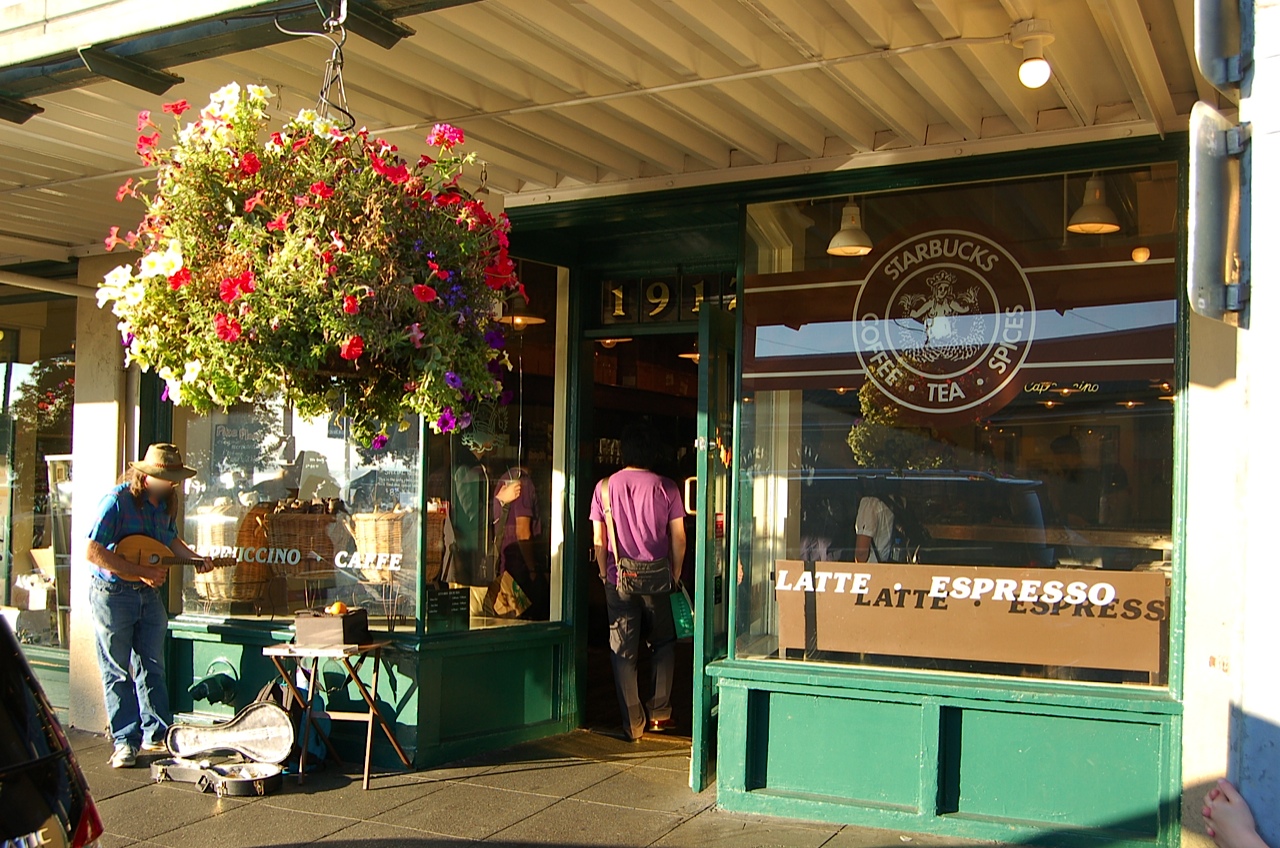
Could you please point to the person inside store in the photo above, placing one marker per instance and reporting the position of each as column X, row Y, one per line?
column 129, row 619
column 647, row 514
column 874, row 529
column 514, row 513
column 1073, row 489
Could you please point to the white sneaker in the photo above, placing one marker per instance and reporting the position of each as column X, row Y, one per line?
column 155, row 747
column 123, row 756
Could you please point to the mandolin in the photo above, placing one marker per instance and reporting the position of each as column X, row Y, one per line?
column 144, row 550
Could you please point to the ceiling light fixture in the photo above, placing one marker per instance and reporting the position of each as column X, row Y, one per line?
column 518, row 317
column 1141, row 254
column 1094, row 217
column 850, row 239
column 1032, row 36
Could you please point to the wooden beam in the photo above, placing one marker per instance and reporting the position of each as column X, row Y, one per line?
column 1123, row 22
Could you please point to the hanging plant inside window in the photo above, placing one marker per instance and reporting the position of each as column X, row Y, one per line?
column 312, row 263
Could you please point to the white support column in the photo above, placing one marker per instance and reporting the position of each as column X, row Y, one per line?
column 98, row 457
column 1255, row 720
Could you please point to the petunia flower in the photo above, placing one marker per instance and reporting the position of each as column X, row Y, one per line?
column 253, row 201
column 180, row 278
column 176, row 108
column 350, row 304
column 452, row 380
column 416, row 335
column 113, row 239
column 495, row 338
column 250, row 164
column 126, row 190
column 228, row 329
column 352, row 348
column 281, row 221
column 144, row 120
column 426, row 294
column 379, row 441
column 321, row 190
column 446, row 423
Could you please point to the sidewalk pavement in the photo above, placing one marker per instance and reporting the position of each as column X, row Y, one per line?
column 579, row 789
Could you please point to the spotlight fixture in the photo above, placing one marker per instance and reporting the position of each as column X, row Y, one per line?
column 1094, row 217
column 850, row 239
column 1032, row 36
column 1141, row 254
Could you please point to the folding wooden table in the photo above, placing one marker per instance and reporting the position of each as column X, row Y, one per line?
column 343, row 653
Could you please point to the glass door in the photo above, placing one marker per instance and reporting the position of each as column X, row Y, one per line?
column 716, row 371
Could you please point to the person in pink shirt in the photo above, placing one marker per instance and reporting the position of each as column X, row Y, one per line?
column 648, row 515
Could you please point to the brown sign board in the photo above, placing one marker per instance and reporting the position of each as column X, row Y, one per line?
column 1029, row 616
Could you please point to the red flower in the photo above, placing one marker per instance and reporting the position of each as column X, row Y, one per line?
column 253, row 201
column 277, row 139
column 352, row 348
column 500, row 272
column 228, row 329
column 321, row 190
column 426, row 294
column 177, row 107
column 439, row 272
column 147, row 142
column 424, row 160
column 180, row 278
column 250, row 164
column 233, row 287
column 448, row 199
column 279, row 223
column 301, row 143
column 113, row 239
column 396, row 174
column 350, row 304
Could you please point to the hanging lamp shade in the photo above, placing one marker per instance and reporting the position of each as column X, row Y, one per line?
column 517, row 314
column 850, row 239
column 1094, row 217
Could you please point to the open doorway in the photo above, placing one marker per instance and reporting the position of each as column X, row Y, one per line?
column 654, row 377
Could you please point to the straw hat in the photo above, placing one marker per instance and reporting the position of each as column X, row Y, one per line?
column 164, row 462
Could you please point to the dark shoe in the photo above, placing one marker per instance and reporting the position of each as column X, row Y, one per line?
column 660, row 725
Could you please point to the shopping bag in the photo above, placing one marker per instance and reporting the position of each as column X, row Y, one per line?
column 682, row 612
column 505, row 598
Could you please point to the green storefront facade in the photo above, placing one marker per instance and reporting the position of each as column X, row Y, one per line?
column 1001, row 750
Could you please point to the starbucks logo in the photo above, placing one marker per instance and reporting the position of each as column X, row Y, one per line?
column 944, row 321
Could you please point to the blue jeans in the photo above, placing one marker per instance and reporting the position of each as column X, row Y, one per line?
column 129, row 624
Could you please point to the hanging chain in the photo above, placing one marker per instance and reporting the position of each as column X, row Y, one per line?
column 333, row 92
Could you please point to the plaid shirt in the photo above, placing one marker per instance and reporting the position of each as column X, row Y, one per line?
column 119, row 515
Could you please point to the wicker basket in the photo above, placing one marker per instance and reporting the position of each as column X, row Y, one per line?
column 307, row 533
column 233, row 581
column 380, row 533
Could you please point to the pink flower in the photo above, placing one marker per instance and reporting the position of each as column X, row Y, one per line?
column 426, row 294
column 233, row 287
column 147, row 142
column 144, row 120
column 338, row 243
column 228, row 329
column 253, row 201
column 321, row 190
column 301, row 143
column 352, row 348
column 113, row 239
column 180, row 278
column 350, row 304
column 176, row 108
column 281, row 221
column 446, row 136
column 416, row 335
column 126, row 190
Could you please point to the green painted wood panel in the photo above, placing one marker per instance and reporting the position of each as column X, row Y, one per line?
column 486, row 692
column 855, row 750
column 1058, row 770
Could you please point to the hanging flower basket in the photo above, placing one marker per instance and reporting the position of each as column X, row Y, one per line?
column 314, row 264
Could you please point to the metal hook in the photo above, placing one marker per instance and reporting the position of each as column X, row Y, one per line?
column 484, row 177
column 336, row 34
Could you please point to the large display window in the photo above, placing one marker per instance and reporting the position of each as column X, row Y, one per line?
column 957, row 428
column 448, row 530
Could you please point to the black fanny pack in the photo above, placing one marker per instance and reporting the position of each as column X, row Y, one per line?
column 635, row 576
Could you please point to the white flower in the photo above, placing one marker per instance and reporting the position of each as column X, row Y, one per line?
column 228, row 95
column 153, row 265
column 119, row 276
column 323, row 126
column 192, row 371
column 259, row 93
column 307, row 116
